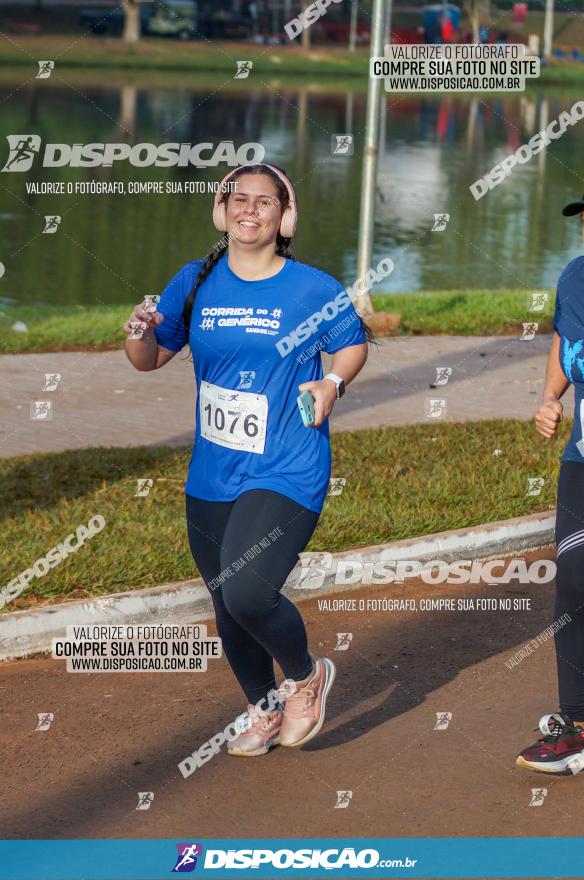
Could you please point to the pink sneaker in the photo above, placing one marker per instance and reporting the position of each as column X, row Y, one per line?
column 259, row 732
column 304, row 709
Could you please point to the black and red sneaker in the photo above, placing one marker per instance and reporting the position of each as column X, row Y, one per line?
column 561, row 750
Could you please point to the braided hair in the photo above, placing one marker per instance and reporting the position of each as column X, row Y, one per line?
column 282, row 245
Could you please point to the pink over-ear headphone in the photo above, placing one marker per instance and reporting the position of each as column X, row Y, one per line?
column 289, row 219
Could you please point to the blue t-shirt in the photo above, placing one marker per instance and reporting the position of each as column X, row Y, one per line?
column 569, row 323
column 253, row 344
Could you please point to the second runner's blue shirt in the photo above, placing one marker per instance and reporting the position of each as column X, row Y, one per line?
column 253, row 344
column 569, row 323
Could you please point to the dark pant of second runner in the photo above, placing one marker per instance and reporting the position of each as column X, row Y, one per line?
column 569, row 638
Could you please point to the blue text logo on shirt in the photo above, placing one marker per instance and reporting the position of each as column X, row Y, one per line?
column 255, row 320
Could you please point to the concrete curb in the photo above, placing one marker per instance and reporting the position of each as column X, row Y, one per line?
column 23, row 633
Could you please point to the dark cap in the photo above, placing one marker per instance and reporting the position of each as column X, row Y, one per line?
column 573, row 208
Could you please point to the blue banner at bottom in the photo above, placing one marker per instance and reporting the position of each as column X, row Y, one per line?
column 365, row 858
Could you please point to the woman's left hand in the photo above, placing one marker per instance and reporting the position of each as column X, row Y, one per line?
column 325, row 394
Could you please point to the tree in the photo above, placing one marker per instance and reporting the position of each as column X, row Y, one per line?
column 131, row 32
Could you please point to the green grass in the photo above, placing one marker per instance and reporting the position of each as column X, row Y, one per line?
column 401, row 482
column 561, row 73
column 190, row 56
column 77, row 50
column 466, row 312
column 62, row 328
column 462, row 312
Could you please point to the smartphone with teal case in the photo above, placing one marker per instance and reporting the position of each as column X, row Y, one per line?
column 305, row 403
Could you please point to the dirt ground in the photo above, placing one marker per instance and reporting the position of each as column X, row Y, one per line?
column 114, row 735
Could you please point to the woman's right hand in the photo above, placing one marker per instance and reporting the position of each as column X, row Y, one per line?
column 148, row 320
column 548, row 416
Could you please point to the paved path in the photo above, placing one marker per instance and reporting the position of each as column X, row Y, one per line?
column 102, row 401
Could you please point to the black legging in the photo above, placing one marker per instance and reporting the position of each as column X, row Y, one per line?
column 569, row 639
column 245, row 549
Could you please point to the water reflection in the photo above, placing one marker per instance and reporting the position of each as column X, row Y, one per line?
column 116, row 248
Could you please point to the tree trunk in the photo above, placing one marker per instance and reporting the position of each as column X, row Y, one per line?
column 131, row 32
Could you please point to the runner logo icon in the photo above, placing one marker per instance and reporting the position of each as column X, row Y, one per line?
column 529, row 330
column 246, row 378
column 342, row 144
column 45, row 719
column 45, row 69
column 443, row 719
column 314, row 567
column 243, row 69
column 538, row 796
column 23, row 148
column 344, row 641
column 145, row 799
column 343, row 800
column 440, row 221
column 188, row 854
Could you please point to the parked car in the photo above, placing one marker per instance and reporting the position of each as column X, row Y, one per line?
column 174, row 18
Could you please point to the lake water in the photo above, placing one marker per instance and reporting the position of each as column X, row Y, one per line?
column 117, row 248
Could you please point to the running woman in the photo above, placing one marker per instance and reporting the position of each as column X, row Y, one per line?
column 561, row 749
column 256, row 321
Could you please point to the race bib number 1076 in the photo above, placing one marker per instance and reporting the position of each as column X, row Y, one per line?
column 236, row 419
